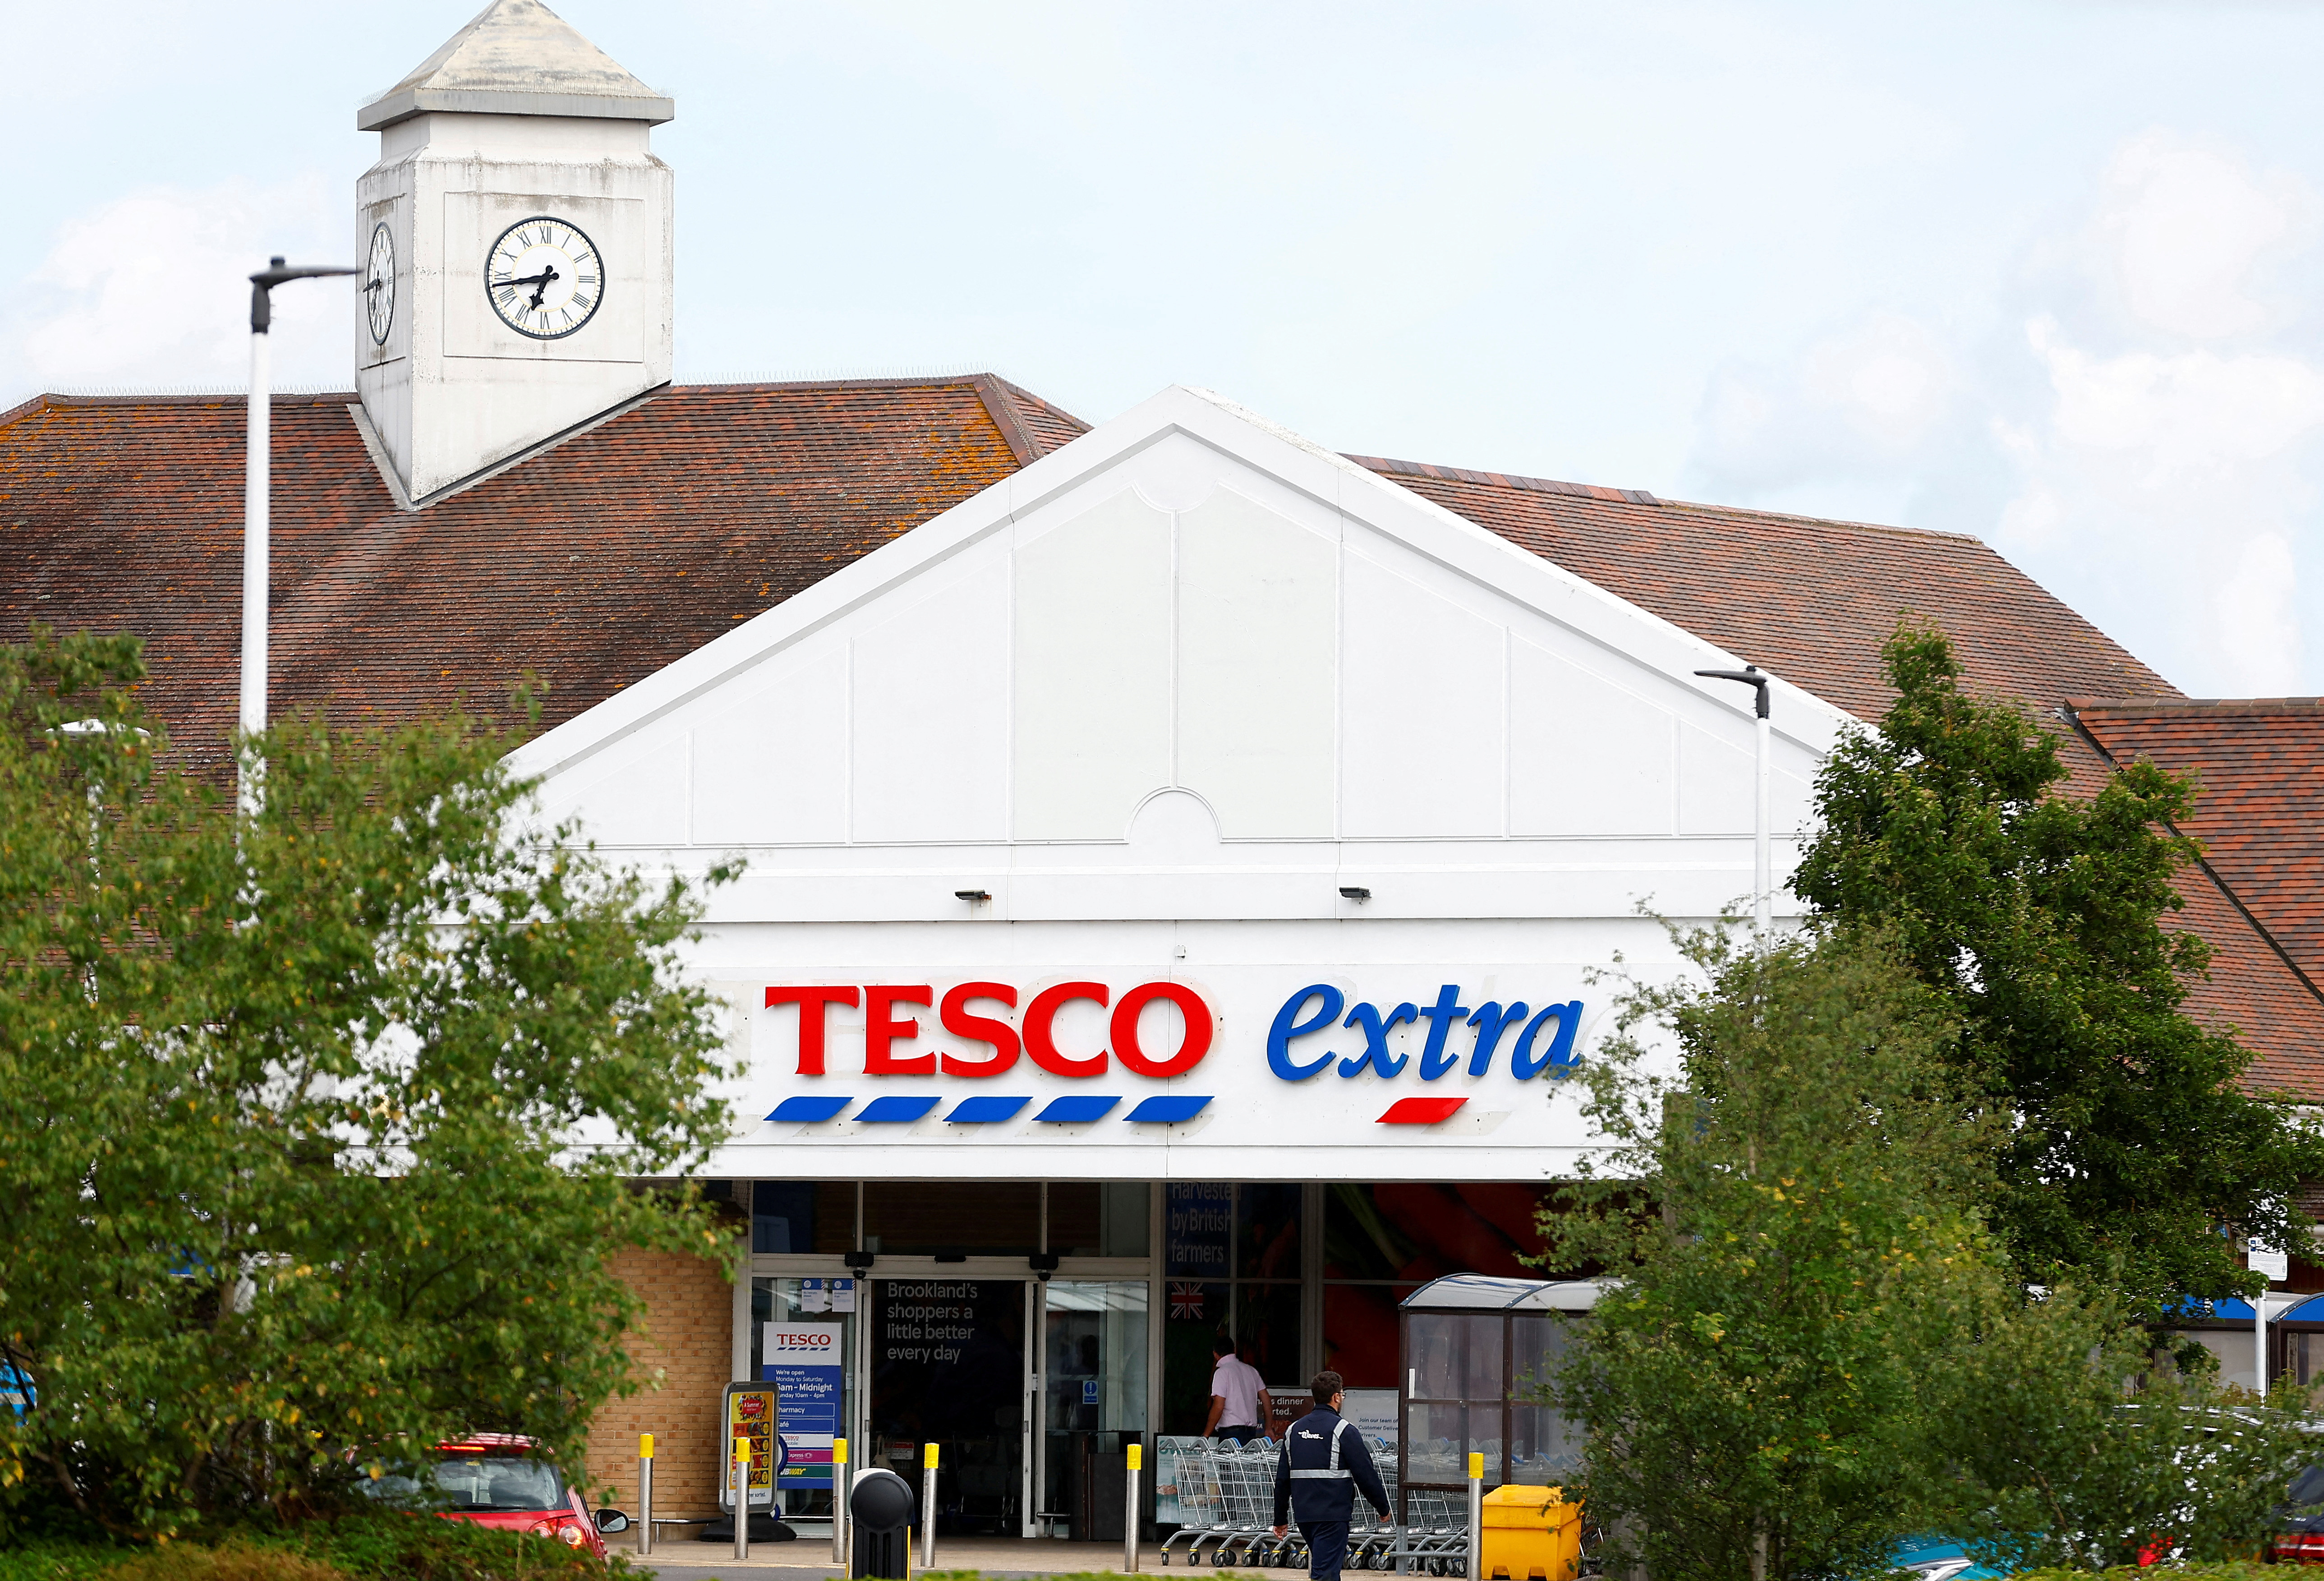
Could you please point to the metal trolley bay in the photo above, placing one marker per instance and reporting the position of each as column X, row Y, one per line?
column 1223, row 1498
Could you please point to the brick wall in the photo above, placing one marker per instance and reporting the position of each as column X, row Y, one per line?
column 688, row 1347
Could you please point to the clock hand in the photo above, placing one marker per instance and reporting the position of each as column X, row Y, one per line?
column 545, row 276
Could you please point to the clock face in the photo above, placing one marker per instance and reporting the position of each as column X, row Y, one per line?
column 379, row 284
column 544, row 277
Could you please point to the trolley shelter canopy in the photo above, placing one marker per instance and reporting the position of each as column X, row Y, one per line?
column 1477, row 1352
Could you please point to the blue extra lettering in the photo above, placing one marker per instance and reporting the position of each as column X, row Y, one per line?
column 1376, row 1054
column 1560, row 1052
column 1286, row 1028
column 1490, row 1022
column 1440, row 1016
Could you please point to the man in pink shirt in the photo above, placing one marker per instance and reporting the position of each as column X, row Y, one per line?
column 1240, row 1406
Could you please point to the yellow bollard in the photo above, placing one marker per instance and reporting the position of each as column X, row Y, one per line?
column 840, row 1555
column 1136, row 1455
column 645, row 1493
column 742, row 1497
column 928, row 1505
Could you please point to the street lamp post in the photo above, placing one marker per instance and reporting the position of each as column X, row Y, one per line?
column 1761, row 877
column 251, row 716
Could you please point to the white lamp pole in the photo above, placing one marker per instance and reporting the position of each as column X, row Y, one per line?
column 251, row 716
column 1763, row 882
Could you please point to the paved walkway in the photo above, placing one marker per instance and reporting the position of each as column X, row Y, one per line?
column 810, row 1558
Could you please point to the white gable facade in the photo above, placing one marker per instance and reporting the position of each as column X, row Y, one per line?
column 1194, row 805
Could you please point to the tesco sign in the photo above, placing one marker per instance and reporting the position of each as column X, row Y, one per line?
column 994, row 1027
column 1032, row 1036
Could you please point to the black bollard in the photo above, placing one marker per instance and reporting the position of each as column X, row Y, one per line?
column 880, row 1508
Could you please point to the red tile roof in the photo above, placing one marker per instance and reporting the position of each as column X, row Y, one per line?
column 594, row 564
column 1813, row 600
column 615, row 552
column 2260, row 766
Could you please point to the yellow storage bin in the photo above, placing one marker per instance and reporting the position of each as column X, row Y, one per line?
column 1531, row 1534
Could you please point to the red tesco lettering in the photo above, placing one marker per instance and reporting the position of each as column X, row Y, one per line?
column 995, row 1045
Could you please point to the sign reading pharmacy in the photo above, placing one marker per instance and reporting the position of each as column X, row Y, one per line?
column 1062, row 1054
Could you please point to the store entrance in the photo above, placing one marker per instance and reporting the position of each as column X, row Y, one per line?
column 947, row 1362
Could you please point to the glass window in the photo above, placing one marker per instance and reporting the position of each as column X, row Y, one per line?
column 1360, row 1333
column 1097, row 1355
column 1435, row 1440
column 1536, row 1345
column 1267, row 1231
column 1545, row 1448
column 1482, row 1358
column 1124, row 1225
column 782, row 1216
column 1196, row 1313
column 1360, row 1243
column 493, row 1482
column 986, row 1218
column 1198, row 1227
column 1267, row 1333
column 1456, row 1355
column 1075, row 1208
column 1095, row 1381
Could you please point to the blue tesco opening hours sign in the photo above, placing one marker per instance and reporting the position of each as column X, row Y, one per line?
column 806, row 1363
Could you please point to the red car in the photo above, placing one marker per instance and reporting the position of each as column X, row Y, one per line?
column 494, row 1479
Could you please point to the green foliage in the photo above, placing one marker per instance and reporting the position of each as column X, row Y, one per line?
column 377, row 1546
column 315, row 1125
column 2036, row 913
column 1761, row 1371
column 2240, row 1570
column 2046, row 1460
column 1812, row 1343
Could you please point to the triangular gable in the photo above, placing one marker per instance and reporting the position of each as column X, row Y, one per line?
column 1186, row 601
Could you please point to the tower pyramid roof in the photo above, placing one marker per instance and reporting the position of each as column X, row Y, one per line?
column 518, row 58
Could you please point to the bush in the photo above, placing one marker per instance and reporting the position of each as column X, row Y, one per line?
column 381, row 1547
column 285, row 1161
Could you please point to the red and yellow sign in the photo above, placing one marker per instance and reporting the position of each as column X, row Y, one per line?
column 751, row 1417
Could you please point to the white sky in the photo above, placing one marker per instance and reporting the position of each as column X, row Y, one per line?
column 2046, row 272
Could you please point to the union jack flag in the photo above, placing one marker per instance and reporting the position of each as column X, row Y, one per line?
column 1186, row 1301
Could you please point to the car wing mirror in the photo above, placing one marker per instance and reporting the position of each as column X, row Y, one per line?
column 610, row 1521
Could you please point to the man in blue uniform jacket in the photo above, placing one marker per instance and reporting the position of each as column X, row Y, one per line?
column 1322, row 1464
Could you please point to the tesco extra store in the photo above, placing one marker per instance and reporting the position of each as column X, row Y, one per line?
column 1177, row 878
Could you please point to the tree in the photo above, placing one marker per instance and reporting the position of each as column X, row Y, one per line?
column 316, row 1126
column 2036, row 915
column 1755, row 1380
column 2042, row 1455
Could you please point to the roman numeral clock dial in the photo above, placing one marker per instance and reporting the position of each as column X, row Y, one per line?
column 544, row 277
column 379, row 284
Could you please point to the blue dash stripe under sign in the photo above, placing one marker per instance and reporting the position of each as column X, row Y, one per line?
column 1076, row 1111
column 895, row 1110
column 1166, row 1109
column 984, row 1111
column 809, row 1109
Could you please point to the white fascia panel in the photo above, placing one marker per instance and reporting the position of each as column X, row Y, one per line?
column 1491, row 562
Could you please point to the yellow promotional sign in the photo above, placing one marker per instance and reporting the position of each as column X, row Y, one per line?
column 751, row 1417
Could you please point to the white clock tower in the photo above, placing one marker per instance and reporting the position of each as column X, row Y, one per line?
column 517, row 229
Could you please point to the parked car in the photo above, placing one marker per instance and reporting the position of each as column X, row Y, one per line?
column 495, row 1479
column 1935, row 1559
column 2300, row 1539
